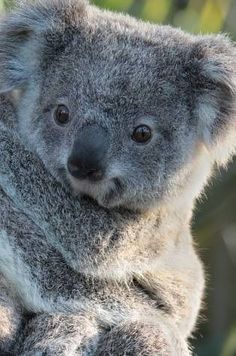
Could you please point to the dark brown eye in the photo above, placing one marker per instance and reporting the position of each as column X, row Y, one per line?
column 142, row 134
column 62, row 115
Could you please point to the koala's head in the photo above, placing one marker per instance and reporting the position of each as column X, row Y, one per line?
column 114, row 107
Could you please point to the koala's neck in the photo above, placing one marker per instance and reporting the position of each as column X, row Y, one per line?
column 161, row 233
column 153, row 238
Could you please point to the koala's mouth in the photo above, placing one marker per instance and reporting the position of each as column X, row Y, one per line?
column 107, row 192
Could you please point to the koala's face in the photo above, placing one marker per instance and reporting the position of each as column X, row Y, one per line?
column 114, row 120
column 110, row 108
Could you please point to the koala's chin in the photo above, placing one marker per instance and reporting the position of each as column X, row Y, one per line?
column 107, row 193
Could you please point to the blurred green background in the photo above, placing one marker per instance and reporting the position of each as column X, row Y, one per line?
column 214, row 226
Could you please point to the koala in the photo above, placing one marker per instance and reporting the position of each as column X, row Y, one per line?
column 116, row 127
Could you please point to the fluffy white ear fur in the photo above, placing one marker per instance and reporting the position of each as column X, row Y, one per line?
column 22, row 36
column 216, row 96
column 18, row 50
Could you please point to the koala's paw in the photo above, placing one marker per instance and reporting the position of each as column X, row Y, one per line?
column 56, row 335
column 137, row 339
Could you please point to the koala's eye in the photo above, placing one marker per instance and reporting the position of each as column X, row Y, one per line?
column 142, row 134
column 62, row 115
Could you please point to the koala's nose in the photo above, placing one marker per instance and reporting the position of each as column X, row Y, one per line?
column 87, row 160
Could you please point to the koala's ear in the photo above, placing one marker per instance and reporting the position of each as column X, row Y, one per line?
column 18, row 47
column 214, row 80
column 28, row 31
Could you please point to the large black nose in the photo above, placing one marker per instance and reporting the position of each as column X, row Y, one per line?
column 87, row 160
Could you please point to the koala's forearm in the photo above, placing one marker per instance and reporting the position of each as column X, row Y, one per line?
column 78, row 335
column 67, row 335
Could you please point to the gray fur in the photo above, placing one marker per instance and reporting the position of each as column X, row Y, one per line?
column 129, row 266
